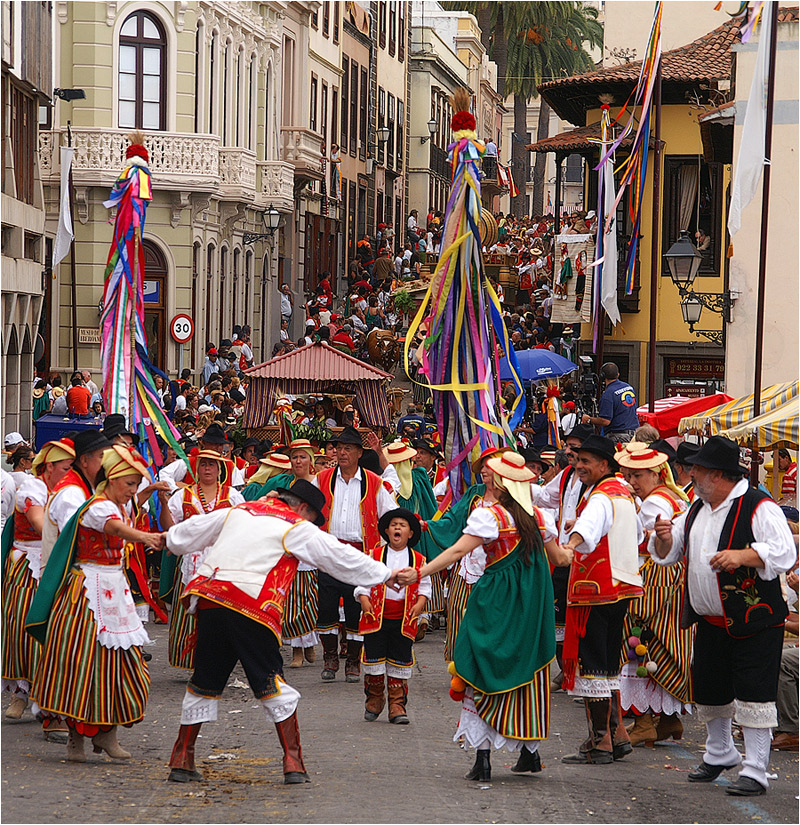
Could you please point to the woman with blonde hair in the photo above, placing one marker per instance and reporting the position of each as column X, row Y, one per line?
column 500, row 667
column 656, row 677
column 84, row 616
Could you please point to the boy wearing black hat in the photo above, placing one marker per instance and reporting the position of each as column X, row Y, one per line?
column 389, row 619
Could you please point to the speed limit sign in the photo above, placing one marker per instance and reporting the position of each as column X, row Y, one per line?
column 181, row 328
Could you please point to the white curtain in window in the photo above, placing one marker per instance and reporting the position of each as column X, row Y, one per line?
column 687, row 180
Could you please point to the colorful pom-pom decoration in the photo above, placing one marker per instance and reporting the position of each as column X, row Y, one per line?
column 640, row 671
column 641, row 650
column 451, row 668
column 633, row 641
column 456, row 696
column 636, row 631
column 651, row 667
column 458, row 684
column 632, row 654
column 463, row 120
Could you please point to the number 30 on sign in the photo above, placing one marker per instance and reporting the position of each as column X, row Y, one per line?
column 181, row 328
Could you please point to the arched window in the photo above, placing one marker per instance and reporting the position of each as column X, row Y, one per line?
column 142, row 73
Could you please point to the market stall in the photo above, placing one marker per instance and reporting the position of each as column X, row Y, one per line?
column 739, row 411
column 669, row 412
column 316, row 370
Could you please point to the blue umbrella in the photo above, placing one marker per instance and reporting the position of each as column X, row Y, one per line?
column 537, row 365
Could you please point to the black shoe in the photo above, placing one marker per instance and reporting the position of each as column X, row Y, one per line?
column 181, row 775
column 592, row 757
column 482, row 769
column 708, row 773
column 295, row 778
column 745, row 786
column 147, row 656
column 621, row 751
column 528, row 762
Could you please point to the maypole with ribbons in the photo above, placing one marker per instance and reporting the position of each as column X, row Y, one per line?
column 461, row 320
column 128, row 384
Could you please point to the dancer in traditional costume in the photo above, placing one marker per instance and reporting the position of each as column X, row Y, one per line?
column 212, row 491
column 239, row 598
column 302, row 602
column 604, row 577
column 507, row 637
column 275, row 471
column 656, row 679
column 20, row 579
column 355, row 499
column 91, row 670
column 389, row 619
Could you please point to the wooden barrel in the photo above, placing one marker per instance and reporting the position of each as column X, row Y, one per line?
column 488, row 229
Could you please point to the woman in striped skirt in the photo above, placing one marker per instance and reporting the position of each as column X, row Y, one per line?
column 655, row 617
column 85, row 617
column 21, row 577
column 507, row 637
column 301, row 607
column 211, row 492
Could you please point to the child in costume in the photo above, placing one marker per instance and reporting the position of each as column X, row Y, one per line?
column 390, row 618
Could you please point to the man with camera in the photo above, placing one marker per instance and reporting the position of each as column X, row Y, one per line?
column 617, row 410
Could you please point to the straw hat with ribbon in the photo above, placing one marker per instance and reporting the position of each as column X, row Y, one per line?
column 302, row 444
column 277, row 461
column 512, row 475
column 399, row 454
column 53, row 451
column 119, row 461
column 487, row 453
column 631, row 448
column 225, row 464
column 634, row 457
column 38, row 392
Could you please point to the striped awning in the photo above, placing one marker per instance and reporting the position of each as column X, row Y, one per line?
column 771, row 431
column 738, row 412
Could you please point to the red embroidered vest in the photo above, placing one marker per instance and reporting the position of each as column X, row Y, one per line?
column 23, row 529
column 377, row 597
column 97, row 547
column 370, row 485
column 223, row 501
column 508, row 539
column 73, row 479
column 590, row 580
column 662, row 491
column 267, row 607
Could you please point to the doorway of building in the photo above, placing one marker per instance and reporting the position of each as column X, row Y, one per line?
column 155, row 302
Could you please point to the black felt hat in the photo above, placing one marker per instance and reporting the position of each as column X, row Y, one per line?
column 349, row 435
column 718, row 453
column 114, row 425
column 663, row 446
column 400, row 512
column 310, row 495
column 88, row 441
column 214, row 434
column 600, row 446
column 428, row 445
column 686, row 449
column 581, row 432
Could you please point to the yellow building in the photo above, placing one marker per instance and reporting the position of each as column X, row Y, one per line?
column 695, row 78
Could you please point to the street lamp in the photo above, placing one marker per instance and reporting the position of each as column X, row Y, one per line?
column 683, row 261
column 370, row 164
column 271, row 219
column 692, row 309
column 383, row 134
column 432, row 127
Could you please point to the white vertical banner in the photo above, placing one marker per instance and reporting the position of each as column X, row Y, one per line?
column 65, row 235
column 608, row 285
column 751, row 158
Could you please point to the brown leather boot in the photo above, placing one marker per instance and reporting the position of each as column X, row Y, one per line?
column 669, row 726
column 619, row 734
column 643, row 731
column 374, row 689
column 107, row 741
column 330, row 656
column 598, row 748
column 398, row 696
column 16, row 707
column 182, row 760
column 75, row 751
column 310, row 654
column 297, row 657
column 294, row 771
column 352, row 664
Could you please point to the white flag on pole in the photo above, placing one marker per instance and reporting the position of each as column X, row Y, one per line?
column 65, row 235
column 608, row 286
column 750, row 161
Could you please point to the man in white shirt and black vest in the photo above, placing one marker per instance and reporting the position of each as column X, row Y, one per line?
column 736, row 543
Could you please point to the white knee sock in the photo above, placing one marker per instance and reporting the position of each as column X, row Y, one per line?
column 720, row 749
column 198, row 709
column 757, row 742
column 282, row 705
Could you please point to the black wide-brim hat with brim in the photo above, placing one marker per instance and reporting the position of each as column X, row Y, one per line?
column 407, row 515
column 114, row 426
column 310, row 495
column 214, row 434
column 349, row 435
column 686, row 449
column 87, row 441
column 602, row 447
column 581, row 432
column 718, row 453
column 427, row 445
